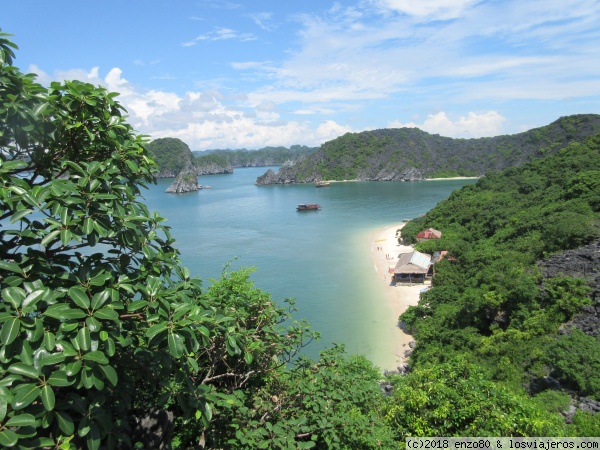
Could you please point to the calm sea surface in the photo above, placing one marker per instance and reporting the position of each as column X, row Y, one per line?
column 320, row 258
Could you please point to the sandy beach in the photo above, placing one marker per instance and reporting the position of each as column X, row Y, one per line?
column 385, row 250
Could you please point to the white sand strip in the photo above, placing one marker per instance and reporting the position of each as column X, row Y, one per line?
column 385, row 250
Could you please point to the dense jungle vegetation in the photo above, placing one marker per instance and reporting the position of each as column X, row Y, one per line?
column 412, row 154
column 491, row 305
column 172, row 155
column 107, row 342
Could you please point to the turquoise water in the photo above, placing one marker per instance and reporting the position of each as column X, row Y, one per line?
column 320, row 258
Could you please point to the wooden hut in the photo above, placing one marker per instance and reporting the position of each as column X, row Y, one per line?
column 412, row 267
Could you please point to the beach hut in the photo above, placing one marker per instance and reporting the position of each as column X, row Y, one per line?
column 429, row 233
column 412, row 267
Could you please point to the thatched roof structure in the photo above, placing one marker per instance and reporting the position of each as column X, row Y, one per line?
column 413, row 263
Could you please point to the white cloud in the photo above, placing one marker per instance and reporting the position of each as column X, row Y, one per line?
column 433, row 9
column 328, row 130
column 472, row 125
column 261, row 19
column 221, row 34
column 206, row 119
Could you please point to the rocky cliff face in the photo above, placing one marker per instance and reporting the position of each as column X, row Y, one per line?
column 213, row 169
column 283, row 176
column 583, row 263
column 186, row 181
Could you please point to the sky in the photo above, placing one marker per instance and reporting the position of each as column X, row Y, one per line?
column 250, row 74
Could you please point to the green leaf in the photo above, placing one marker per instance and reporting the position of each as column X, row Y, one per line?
column 24, row 395
column 4, row 397
column 65, row 422
column 93, row 437
column 96, row 356
column 48, row 398
column 84, row 426
column 14, row 295
column 49, row 341
column 59, row 378
column 8, row 438
column 80, row 297
column 32, row 299
column 49, row 359
column 135, row 305
column 84, row 338
column 93, row 324
column 87, row 377
column 50, row 237
column 19, row 215
column 72, row 369
column 62, row 311
column 153, row 285
column 10, row 266
column 175, row 345
column 106, row 313
column 10, row 330
column 100, row 298
column 22, row 420
column 88, row 225
column 110, row 347
column 110, row 374
column 156, row 329
column 24, row 369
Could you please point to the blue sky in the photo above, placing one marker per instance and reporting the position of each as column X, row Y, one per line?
column 248, row 74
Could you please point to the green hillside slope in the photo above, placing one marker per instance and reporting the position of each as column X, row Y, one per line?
column 508, row 300
column 412, row 154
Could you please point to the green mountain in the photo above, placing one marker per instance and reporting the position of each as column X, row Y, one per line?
column 266, row 156
column 518, row 295
column 172, row 156
column 411, row 154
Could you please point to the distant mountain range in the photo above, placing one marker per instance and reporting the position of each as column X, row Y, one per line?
column 262, row 157
column 405, row 154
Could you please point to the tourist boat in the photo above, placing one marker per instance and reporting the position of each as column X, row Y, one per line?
column 323, row 184
column 308, row 207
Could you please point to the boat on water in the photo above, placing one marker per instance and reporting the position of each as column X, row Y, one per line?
column 308, row 207
column 323, row 184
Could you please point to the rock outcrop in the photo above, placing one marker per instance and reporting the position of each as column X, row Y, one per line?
column 186, row 181
column 213, row 168
column 583, row 262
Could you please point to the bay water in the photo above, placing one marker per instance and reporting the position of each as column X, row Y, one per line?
column 322, row 258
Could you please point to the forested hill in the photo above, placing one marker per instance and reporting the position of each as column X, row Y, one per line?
column 172, row 155
column 411, row 154
column 266, row 156
column 519, row 292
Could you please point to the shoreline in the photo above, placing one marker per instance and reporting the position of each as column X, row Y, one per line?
column 384, row 252
column 451, row 178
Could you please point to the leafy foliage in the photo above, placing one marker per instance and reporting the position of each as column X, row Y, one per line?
column 457, row 399
column 575, row 360
column 490, row 302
